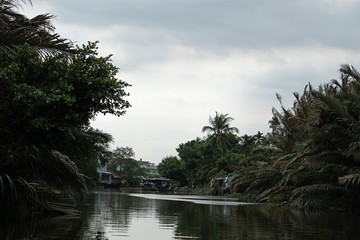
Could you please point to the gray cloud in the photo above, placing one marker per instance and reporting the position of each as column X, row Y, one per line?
column 252, row 24
column 187, row 59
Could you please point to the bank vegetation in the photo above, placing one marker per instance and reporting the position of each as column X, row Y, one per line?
column 50, row 90
column 310, row 159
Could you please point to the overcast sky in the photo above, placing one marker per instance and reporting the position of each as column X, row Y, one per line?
column 186, row 59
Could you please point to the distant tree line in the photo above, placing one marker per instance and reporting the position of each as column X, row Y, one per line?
column 122, row 163
column 216, row 155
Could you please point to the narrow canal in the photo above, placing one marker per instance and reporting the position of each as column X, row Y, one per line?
column 165, row 217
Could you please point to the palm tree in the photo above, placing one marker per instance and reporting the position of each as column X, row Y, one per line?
column 24, row 170
column 16, row 30
column 219, row 129
column 315, row 145
column 29, row 173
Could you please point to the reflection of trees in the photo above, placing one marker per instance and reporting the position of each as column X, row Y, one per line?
column 109, row 211
column 196, row 220
column 114, row 212
column 59, row 227
column 264, row 222
column 212, row 222
column 258, row 222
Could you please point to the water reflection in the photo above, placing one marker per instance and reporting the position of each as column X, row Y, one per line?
column 166, row 217
column 139, row 216
column 61, row 227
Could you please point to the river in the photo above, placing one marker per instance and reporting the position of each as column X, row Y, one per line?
column 135, row 216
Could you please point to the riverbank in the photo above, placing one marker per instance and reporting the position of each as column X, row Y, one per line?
column 281, row 199
column 201, row 191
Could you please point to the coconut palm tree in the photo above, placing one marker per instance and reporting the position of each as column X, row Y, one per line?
column 219, row 130
column 16, row 30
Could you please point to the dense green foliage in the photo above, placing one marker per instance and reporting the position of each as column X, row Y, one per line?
column 310, row 159
column 47, row 104
column 218, row 154
column 123, row 164
column 123, row 152
column 49, row 93
column 171, row 167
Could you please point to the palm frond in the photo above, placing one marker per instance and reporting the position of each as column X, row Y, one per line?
column 277, row 193
column 18, row 196
column 264, row 179
column 334, row 106
column 350, row 71
column 334, row 169
column 354, row 150
column 38, row 32
column 65, row 174
column 50, row 167
column 350, row 180
column 322, row 196
column 254, row 179
column 304, row 176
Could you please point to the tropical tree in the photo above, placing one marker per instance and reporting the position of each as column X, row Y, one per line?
column 123, row 152
column 122, row 163
column 219, row 130
column 47, row 104
column 202, row 159
column 197, row 160
column 248, row 143
column 171, row 167
column 128, row 169
column 38, row 32
column 312, row 158
column 85, row 147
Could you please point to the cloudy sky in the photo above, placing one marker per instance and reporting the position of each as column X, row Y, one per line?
column 186, row 59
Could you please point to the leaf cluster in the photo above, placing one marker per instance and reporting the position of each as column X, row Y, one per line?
column 16, row 29
column 47, row 104
column 314, row 146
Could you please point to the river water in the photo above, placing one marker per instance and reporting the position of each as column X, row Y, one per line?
column 135, row 216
